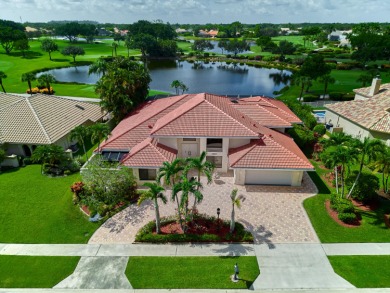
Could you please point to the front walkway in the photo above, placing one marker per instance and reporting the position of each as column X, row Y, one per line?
column 274, row 214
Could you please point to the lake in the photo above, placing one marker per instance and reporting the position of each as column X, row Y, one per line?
column 216, row 78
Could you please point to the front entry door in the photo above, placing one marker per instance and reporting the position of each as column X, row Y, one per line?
column 189, row 150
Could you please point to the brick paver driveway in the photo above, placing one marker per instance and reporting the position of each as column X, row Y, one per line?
column 274, row 214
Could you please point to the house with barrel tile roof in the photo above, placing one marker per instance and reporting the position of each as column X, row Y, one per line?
column 245, row 136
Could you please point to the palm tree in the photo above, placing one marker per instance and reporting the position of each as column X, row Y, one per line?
column 170, row 172
column 29, row 77
column 47, row 79
column 368, row 150
column 302, row 81
column 114, row 48
column 186, row 187
column 98, row 67
column 176, row 84
column 2, row 76
column 80, row 133
column 236, row 202
column 50, row 154
column 154, row 193
column 183, row 88
column 326, row 79
column 336, row 138
column 382, row 164
column 202, row 167
column 99, row 131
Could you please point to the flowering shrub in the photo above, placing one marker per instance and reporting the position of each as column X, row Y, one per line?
column 40, row 90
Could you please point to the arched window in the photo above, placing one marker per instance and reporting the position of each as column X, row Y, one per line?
column 26, row 150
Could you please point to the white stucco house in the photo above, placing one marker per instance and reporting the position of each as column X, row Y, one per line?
column 29, row 121
column 246, row 136
column 368, row 115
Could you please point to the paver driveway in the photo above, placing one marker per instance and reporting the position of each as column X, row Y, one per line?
column 274, row 214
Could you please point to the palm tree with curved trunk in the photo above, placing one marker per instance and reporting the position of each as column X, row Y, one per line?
column 170, row 173
column 80, row 133
column 47, row 79
column 369, row 150
column 99, row 131
column 202, row 167
column 186, row 187
column 382, row 165
column 154, row 193
column 29, row 77
column 236, row 202
column 98, row 67
column 2, row 76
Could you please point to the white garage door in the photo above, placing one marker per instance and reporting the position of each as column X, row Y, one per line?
column 267, row 177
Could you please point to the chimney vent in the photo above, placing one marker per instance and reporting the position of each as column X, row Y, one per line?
column 376, row 84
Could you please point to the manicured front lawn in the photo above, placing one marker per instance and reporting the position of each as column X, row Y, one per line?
column 372, row 228
column 363, row 271
column 191, row 272
column 35, row 271
column 39, row 209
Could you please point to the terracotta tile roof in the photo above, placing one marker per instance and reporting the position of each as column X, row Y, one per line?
column 42, row 119
column 206, row 115
column 149, row 153
column 269, row 152
column 275, row 107
column 373, row 113
column 136, row 126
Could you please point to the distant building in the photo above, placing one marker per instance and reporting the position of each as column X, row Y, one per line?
column 181, row 31
column 103, row 32
column 340, row 36
column 208, row 34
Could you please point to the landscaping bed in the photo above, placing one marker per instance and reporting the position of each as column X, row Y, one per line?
column 201, row 229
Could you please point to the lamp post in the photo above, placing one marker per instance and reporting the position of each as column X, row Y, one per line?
column 218, row 212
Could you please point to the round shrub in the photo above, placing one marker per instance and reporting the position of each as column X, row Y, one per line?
column 347, row 217
column 320, row 129
column 310, row 98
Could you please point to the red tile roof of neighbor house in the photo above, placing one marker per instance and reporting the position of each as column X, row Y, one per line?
column 149, row 153
column 206, row 115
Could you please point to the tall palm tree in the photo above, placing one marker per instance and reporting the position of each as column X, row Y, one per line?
column 368, row 150
column 114, row 49
column 170, row 172
column 154, row 193
column 236, row 202
column 202, row 167
column 99, row 131
column 382, row 164
column 29, row 77
column 186, row 187
column 327, row 79
column 47, row 79
column 98, row 67
column 80, row 133
column 302, row 81
column 176, row 84
column 2, row 76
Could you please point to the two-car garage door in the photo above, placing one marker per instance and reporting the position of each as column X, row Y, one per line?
column 268, row 177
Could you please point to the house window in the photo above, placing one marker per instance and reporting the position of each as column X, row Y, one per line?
column 147, row 174
column 217, row 161
column 214, row 145
column 189, row 139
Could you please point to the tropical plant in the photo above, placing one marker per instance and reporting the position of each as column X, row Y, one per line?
column 99, row 131
column 202, row 167
column 114, row 49
column 336, row 138
column 236, row 202
column 369, row 150
column 2, row 76
column 80, row 133
column 179, row 85
column 46, row 79
column 2, row 156
column 29, row 77
column 154, row 193
column 364, row 189
column 98, row 67
column 382, row 165
column 186, row 187
column 326, row 79
column 48, row 154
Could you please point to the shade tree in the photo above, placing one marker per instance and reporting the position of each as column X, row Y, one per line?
column 49, row 46
column 73, row 51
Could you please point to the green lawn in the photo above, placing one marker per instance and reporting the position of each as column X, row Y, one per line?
column 372, row 229
column 39, row 209
column 35, row 271
column 296, row 40
column 190, row 272
column 363, row 271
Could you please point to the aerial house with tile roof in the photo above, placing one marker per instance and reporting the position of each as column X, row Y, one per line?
column 246, row 136
column 26, row 122
column 368, row 115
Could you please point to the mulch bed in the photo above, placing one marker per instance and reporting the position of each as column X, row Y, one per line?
column 334, row 215
column 198, row 227
column 370, row 206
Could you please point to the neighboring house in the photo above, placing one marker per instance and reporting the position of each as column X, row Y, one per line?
column 368, row 115
column 26, row 122
column 245, row 136
column 340, row 36
column 208, row 34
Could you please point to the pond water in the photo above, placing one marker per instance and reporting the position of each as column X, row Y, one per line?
column 216, row 78
column 218, row 50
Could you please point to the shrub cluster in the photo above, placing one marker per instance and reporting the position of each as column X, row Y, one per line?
column 40, row 90
column 344, row 208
